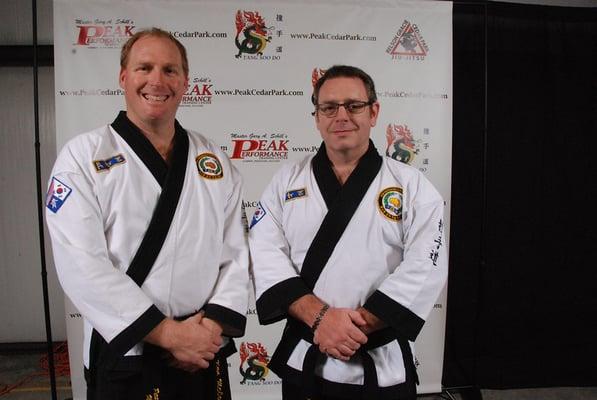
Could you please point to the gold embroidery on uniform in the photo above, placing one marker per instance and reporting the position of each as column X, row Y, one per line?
column 154, row 396
column 219, row 381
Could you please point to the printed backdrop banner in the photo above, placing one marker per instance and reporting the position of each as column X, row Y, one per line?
column 252, row 69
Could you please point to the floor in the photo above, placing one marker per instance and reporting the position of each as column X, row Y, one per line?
column 24, row 376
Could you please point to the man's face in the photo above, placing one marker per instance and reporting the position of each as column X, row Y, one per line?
column 346, row 132
column 153, row 81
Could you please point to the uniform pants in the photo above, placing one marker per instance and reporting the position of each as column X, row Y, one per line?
column 169, row 384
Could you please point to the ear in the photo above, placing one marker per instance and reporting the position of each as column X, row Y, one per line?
column 122, row 77
column 374, row 113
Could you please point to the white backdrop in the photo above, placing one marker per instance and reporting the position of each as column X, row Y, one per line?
column 257, row 106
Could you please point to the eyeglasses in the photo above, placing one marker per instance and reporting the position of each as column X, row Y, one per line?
column 331, row 109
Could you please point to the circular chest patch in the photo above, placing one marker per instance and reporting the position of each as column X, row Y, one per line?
column 389, row 203
column 209, row 166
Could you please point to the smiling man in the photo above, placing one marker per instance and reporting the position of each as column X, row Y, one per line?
column 347, row 245
column 148, row 241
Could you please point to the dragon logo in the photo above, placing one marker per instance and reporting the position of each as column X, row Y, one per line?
column 401, row 145
column 256, row 359
column 251, row 33
column 316, row 75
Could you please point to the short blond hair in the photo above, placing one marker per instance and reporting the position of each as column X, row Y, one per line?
column 155, row 32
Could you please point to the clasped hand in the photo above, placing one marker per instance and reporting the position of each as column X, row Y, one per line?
column 343, row 331
column 339, row 334
column 195, row 342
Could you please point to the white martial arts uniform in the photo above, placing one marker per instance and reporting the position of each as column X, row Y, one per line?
column 390, row 259
column 100, row 202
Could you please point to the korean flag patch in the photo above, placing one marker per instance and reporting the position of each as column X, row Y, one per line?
column 57, row 195
column 259, row 214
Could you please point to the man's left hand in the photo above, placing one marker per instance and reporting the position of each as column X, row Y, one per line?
column 214, row 327
column 216, row 331
column 373, row 323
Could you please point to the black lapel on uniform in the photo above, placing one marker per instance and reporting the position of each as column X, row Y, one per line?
column 133, row 136
column 171, row 179
column 342, row 202
column 324, row 175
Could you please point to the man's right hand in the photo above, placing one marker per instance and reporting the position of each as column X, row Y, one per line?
column 191, row 343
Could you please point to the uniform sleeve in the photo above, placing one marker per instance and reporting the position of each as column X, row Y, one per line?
column 114, row 305
column 277, row 281
column 405, row 298
column 229, row 303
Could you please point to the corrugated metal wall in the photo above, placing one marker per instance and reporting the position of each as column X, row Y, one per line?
column 21, row 301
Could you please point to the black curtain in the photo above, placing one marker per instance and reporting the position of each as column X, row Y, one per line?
column 522, row 291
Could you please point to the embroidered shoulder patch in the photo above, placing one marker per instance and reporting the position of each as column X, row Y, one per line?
column 209, row 166
column 258, row 215
column 105, row 165
column 295, row 194
column 58, row 192
column 389, row 203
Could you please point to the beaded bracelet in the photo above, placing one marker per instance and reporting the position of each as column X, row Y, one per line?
column 319, row 317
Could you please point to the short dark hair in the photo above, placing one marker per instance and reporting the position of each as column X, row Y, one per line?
column 155, row 32
column 345, row 71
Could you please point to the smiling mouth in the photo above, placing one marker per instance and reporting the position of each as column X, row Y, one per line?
column 152, row 97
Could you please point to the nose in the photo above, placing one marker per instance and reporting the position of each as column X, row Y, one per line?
column 342, row 113
column 156, row 77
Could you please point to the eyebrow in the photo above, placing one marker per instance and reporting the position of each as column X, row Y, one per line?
column 147, row 63
column 343, row 101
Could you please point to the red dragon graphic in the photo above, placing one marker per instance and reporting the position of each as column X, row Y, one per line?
column 256, row 357
column 252, row 26
column 401, row 145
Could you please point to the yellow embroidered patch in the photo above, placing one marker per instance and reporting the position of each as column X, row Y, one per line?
column 389, row 203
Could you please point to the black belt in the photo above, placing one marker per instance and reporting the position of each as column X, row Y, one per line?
column 152, row 355
column 296, row 330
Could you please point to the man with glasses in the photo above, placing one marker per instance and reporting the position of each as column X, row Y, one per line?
column 347, row 245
